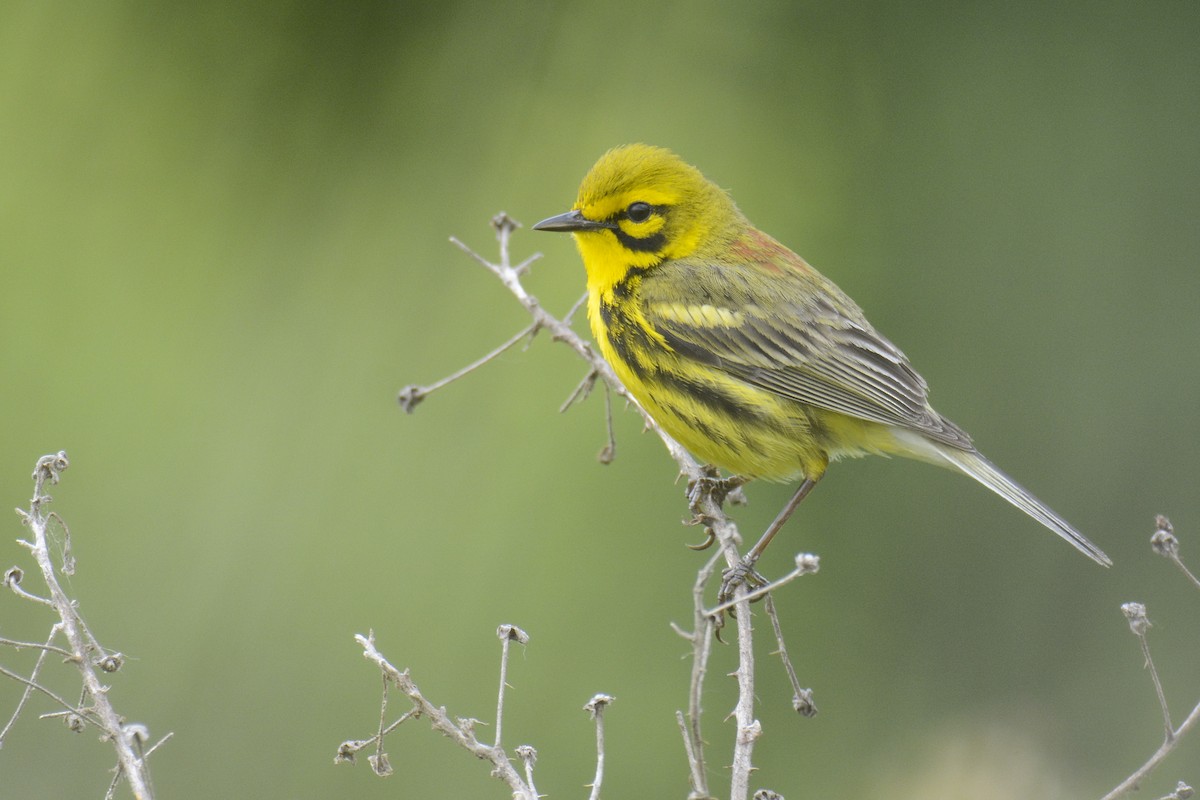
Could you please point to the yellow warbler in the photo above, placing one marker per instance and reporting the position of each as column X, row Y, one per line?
column 743, row 352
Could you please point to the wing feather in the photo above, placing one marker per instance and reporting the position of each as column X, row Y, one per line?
column 780, row 326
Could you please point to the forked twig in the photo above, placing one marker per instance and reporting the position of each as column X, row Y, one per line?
column 461, row 732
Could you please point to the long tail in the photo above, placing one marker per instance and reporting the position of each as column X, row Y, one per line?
column 989, row 475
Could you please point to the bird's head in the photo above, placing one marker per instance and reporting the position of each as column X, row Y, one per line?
column 641, row 205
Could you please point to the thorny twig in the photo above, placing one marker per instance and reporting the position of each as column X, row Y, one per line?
column 82, row 649
column 701, row 639
column 462, row 730
column 560, row 330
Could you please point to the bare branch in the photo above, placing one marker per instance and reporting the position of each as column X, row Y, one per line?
column 507, row 634
column 1182, row 792
column 13, row 578
column 1139, row 623
column 17, row 645
column 411, row 396
column 581, row 391
column 806, row 564
column 527, row 755
column 701, row 638
column 596, row 707
column 802, row 699
column 82, row 650
column 31, row 685
column 749, row 730
column 575, row 308
column 609, row 452
column 560, row 331
column 461, row 732
column 1141, row 773
column 1166, row 545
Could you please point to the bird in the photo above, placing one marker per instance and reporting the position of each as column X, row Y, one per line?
column 742, row 351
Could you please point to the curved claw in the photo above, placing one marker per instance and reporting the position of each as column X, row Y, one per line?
column 709, row 538
column 735, row 576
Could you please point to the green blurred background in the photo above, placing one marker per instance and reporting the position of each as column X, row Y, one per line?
column 223, row 249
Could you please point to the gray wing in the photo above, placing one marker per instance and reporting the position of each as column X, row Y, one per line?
column 807, row 341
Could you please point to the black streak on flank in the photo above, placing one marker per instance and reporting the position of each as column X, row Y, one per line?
column 714, row 435
column 709, row 396
column 627, row 339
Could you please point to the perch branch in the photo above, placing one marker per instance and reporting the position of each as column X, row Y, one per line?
column 706, row 496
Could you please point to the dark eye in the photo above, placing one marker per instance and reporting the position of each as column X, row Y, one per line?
column 638, row 212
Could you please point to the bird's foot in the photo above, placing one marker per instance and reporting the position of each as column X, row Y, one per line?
column 711, row 487
column 742, row 573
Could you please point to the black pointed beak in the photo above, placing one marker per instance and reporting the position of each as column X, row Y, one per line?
column 572, row 221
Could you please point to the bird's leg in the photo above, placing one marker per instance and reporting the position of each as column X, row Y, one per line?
column 737, row 575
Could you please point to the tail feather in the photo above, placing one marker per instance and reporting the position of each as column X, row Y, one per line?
column 987, row 473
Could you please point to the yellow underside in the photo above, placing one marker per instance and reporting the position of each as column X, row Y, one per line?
column 778, row 439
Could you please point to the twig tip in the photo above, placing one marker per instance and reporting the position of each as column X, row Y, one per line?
column 504, row 224
column 509, row 632
column 597, row 704
column 1139, row 623
column 410, row 397
column 1163, row 541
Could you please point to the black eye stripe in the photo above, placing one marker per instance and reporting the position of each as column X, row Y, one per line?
column 646, row 244
column 640, row 212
